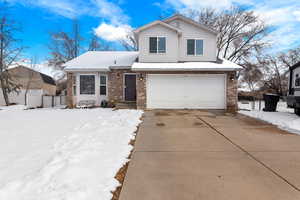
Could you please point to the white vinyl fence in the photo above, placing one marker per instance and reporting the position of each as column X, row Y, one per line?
column 52, row 101
column 34, row 99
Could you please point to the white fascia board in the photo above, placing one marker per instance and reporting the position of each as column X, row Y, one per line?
column 185, row 69
column 86, row 70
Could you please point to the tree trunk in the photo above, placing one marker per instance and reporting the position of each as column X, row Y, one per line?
column 5, row 95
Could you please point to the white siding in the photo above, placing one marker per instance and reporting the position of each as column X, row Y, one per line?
column 96, row 97
column 34, row 98
column 176, row 47
column 171, row 54
column 190, row 31
column 296, row 71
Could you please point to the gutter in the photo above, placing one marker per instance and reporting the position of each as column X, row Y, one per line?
column 187, row 69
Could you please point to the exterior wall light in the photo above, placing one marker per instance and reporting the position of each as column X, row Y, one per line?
column 141, row 77
column 232, row 77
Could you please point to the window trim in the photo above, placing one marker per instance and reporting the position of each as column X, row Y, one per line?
column 186, row 49
column 74, row 85
column 157, row 42
column 297, row 77
column 128, row 73
column 94, row 83
column 106, row 77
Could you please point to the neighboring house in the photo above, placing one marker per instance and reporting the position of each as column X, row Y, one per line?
column 176, row 67
column 293, row 98
column 32, row 83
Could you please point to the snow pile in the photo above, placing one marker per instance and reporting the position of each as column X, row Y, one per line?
column 189, row 66
column 281, row 106
column 284, row 118
column 89, row 148
column 12, row 108
column 43, row 67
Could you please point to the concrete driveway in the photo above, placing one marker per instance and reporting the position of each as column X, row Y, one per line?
column 194, row 155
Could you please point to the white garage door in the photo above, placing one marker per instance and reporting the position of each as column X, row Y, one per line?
column 180, row 91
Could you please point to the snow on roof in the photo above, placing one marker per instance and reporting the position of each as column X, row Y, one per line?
column 224, row 65
column 42, row 67
column 101, row 60
column 157, row 22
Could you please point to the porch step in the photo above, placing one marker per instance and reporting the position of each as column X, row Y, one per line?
column 126, row 105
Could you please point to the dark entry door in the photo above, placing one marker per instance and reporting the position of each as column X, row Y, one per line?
column 130, row 87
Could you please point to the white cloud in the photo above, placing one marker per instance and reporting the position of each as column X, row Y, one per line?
column 76, row 8
column 111, row 32
column 114, row 25
column 197, row 4
column 111, row 11
column 66, row 8
column 282, row 15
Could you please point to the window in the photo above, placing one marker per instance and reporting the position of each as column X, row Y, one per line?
column 102, row 84
column 157, row 45
column 194, row 47
column 87, row 84
column 297, row 81
column 74, row 85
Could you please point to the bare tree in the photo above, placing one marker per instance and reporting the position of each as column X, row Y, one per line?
column 274, row 74
column 241, row 33
column 252, row 76
column 98, row 45
column 64, row 46
column 94, row 44
column 9, row 53
column 290, row 58
column 130, row 43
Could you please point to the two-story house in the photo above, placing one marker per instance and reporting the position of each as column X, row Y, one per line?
column 176, row 67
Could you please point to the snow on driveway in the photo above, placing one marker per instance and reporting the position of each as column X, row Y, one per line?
column 284, row 118
column 55, row 154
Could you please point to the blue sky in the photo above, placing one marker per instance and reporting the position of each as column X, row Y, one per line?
column 112, row 19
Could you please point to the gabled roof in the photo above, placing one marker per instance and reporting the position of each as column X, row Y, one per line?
column 157, row 22
column 101, row 60
column 295, row 66
column 45, row 78
column 221, row 65
column 190, row 21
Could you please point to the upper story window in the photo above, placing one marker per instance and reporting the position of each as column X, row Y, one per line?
column 157, row 44
column 297, row 80
column 194, row 47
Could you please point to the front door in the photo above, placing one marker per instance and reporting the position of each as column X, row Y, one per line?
column 130, row 87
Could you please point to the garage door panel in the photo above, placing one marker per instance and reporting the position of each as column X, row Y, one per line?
column 186, row 91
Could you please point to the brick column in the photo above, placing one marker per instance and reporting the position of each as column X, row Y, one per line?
column 70, row 102
column 141, row 90
column 232, row 94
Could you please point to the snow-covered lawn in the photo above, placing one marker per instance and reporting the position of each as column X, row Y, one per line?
column 284, row 118
column 55, row 154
